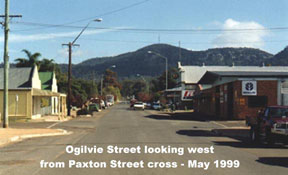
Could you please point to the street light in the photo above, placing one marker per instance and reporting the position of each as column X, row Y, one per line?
column 166, row 59
column 70, row 44
column 113, row 66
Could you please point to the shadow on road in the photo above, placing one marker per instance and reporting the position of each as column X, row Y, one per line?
column 197, row 133
column 190, row 116
column 274, row 161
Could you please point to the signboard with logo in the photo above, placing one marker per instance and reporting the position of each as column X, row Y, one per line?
column 249, row 87
column 187, row 95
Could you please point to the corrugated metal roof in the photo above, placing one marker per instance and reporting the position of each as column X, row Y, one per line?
column 252, row 73
column 192, row 74
column 18, row 77
column 46, row 80
column 211, row 76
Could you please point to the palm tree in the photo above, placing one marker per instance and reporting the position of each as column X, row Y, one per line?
column 31, row 60
column 47, row 65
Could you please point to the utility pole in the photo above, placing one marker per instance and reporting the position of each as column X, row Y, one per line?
column 180, row 51
column 101, row 85
column 6, row 63
column 69, row 76
column 70, row 44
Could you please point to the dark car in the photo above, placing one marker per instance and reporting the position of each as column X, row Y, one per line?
column 271, row 125
column 93, row 107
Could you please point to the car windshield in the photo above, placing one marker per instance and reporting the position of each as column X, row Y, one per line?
column 278, row 112
column 138, row 103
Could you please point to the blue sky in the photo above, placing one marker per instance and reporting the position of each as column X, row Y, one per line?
column 228, row 20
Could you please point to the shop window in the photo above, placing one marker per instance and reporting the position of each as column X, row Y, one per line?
column 257, row 101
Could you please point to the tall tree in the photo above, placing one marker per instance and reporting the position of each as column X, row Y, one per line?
column 110, row 79
column 31, row 60
column 160, row 82
column 47, row 65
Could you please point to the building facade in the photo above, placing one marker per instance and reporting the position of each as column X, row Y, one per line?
column 235, row 95
column 25, row 96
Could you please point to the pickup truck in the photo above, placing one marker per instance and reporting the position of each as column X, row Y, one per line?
column 270, row 126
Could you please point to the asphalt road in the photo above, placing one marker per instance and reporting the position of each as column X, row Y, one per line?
column 127, row 128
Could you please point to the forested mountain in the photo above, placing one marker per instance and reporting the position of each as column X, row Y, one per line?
column 144, row 63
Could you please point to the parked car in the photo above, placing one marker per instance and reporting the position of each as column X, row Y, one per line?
column 271, row 125
column 93, row 107
column 102, row 104
column 148, row 106
column 109, row 103
column 156, row 106
column 110, row 100
column 132, row 102
column 139, row 105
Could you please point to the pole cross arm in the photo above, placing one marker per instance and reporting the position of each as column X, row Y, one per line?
column 11, row 16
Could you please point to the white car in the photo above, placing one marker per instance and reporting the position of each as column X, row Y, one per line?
column 139, row 105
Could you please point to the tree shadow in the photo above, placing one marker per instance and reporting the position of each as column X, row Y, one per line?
column 274, row 161
column 239, row 141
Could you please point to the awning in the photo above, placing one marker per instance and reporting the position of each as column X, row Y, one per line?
column 39, row 92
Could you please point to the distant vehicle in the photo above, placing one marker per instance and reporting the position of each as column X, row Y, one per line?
column 271, row 125
column 132, row 102
column 110, row 100
column 102, row 104
column 139, row 105
column 156, row 106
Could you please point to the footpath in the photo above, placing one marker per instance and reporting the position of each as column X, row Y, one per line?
column 18, row 131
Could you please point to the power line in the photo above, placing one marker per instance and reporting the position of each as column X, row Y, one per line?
column 110, row 12
column 154, row 30
column 89, row 18
column 175, row 42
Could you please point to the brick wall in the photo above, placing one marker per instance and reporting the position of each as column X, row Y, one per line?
column 240, row 103
column 264, row 88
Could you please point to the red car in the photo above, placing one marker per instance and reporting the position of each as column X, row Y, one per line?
column 271, row 125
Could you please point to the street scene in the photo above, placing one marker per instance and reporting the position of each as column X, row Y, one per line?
column 144, row 87
column 123, row 127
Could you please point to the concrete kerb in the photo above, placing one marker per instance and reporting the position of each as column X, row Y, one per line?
column 27, row 136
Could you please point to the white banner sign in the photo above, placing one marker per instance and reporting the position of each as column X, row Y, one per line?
column 249, row 87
